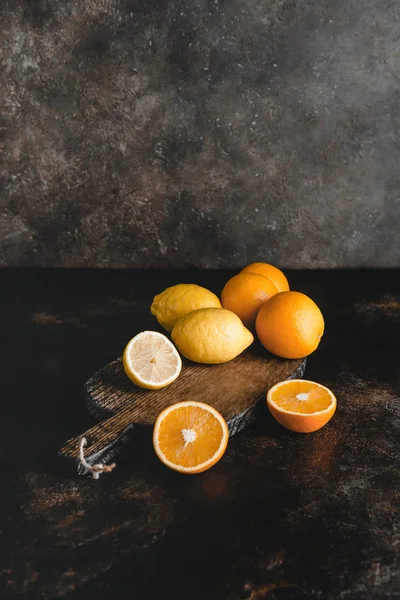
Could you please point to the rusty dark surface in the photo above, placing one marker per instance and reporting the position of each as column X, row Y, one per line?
column 282, row 516
column 127, row 127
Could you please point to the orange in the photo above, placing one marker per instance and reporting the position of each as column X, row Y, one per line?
column 290, row 325
column 274, row 274
column 301, row 405
column 190, row 437
column 245, row 293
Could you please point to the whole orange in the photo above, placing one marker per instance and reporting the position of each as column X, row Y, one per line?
column 290, row 325
column 245, row 293
column 273, row 273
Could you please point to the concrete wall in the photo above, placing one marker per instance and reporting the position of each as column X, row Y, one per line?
column 200, row 133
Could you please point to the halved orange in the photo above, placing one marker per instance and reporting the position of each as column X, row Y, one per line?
column 301, row 405
column 190, row 437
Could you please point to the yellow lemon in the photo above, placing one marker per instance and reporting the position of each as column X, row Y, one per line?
column 211, row 335
column 177, row 301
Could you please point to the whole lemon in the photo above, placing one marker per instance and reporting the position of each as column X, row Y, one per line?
column 211, row 335
column 177, row 301
column 290, row 325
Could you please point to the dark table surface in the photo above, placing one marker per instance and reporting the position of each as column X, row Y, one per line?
column 282, row 515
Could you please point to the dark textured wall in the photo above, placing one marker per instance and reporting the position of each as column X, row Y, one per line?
column 207, row 133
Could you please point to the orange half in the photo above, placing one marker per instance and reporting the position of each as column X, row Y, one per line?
column 301, row 405
column 190, row 437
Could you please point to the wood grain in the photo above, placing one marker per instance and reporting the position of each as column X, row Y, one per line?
column 233, row 388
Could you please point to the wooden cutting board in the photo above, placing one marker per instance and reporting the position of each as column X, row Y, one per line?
column 236, row 389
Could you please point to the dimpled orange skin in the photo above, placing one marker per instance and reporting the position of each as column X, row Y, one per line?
column 304, row 423
column 290, row 325
column 245, row 293
column 274, row 274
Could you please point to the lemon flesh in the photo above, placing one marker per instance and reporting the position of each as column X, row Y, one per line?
column 177, row 301
column 211, row 335
column 151, row 361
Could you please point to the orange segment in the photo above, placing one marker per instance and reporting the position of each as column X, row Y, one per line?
column 301, row 405
column 190, row 437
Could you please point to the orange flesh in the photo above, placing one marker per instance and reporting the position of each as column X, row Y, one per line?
column 194, row 422
column 312, row 399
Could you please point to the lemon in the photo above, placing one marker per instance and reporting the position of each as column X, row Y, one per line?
column 151, row 361
column 211, row 335
column 177, row 301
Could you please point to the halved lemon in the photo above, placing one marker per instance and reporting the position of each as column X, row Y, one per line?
column 301, row 405
column 151, row 361
column 190, row 437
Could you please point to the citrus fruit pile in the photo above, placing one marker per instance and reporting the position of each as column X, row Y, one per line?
column 189, row 436
column 288, row 324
